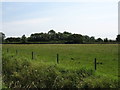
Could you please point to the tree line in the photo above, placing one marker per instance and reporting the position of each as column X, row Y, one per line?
column 54, row 38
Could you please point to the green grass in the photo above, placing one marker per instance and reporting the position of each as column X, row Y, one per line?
column 72, row 59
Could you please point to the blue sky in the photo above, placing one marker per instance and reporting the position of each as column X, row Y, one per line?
column 99, row 19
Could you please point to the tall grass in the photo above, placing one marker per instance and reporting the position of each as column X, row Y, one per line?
column 25, row 73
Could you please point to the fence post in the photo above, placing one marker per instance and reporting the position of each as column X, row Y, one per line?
column 95, row 64
column 32, row 56
column 57, row 58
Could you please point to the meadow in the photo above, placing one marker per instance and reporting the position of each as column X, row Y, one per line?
column 75, row 67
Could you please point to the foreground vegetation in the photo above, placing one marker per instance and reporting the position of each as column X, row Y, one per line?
column 75, row 68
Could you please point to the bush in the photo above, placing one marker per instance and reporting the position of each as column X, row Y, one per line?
column 24, row 73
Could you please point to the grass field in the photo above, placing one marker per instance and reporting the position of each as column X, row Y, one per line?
column 72, row 57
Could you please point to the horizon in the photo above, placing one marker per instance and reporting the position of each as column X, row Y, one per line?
column 85, row 18
column 56, row 32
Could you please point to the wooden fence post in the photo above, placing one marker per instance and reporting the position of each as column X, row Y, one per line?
column 95, row 64
column 57, row 58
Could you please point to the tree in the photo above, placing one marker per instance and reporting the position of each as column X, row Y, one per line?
column 2, row 36
column 23, row 39
column 75, row 38
column 67, row 33
column 52, row 35
column 51, row 32
column 92, row 39
column 59, row 36
column 12, row 39
column 106, row 40
column 118, row 38
column 99, row 40
column 86, row 39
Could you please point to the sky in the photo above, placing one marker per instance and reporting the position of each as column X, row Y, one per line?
column 99, row 19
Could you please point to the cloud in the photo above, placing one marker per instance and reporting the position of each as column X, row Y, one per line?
column 29, row 21
column 18, row 28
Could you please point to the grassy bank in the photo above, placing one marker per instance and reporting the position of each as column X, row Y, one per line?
column 75, row 68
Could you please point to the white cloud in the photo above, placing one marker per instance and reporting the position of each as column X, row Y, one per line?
column 29, row 21
column 18, row 28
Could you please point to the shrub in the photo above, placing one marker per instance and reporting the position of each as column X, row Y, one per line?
column 24, row 73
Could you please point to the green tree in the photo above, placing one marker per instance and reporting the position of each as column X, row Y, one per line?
column 12, row 39
column 2, row 36
column 106, row 40
column 52, row 32
column 118, row 38
column 52, row 35
column 66, row 35
column 23, row 39
column 99, row 40
column 92, row 39
column 75, row 38
column 86, row 39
